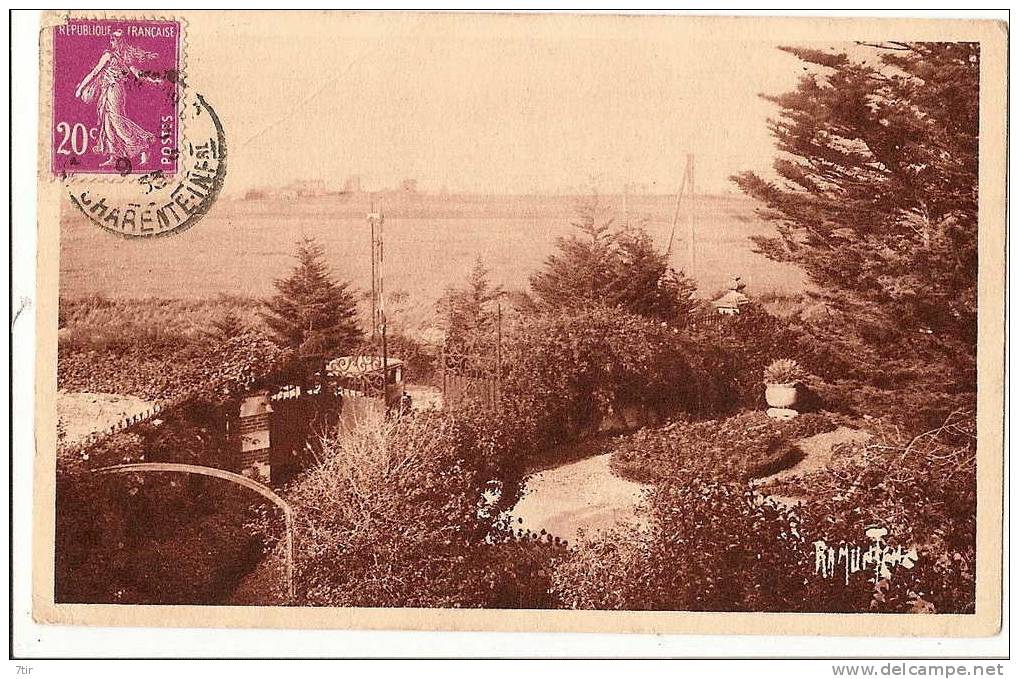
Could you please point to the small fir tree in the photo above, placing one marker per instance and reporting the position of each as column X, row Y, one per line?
column 611, row 267
column 470, row 313
column 312, row 312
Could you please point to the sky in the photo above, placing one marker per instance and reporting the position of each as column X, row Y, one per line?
column 501, row 105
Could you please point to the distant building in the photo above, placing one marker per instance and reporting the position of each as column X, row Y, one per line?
column 309, row 188
column 734, row 299
column 352, row 184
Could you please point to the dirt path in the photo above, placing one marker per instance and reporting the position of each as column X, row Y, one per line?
column 584, row 495
column 81, row 413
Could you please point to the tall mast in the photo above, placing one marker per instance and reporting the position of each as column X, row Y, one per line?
column 686, row 186
column 376, row 219
column 691, row 237
column 375, row 294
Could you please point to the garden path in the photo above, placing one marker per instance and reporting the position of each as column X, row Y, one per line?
column 580, row 496
column 81, row 413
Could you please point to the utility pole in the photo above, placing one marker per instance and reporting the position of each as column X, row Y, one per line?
column 686, row 186
column 376, row 219
column 691, row 239
column 626, row 203
column 375, row 294
column 498, row 356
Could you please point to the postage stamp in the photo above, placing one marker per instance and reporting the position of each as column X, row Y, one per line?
column 116, row 96
column 159, row 202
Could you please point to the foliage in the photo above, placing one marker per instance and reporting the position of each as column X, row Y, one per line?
column 151, row 538
column 740, row 448
column 572, row 373
column 783, row 371
column 728, row 355
column 470, row 313
column 392, row 517
column 877, row 197
column 199, row 365
column 614, row 267
column 419, row 359
column 713, row 543
column 228, row 325
column 311, row 312
column 710, row 546
column 98, row 323
column 920, row 486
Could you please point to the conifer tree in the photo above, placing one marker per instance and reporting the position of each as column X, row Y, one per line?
column 312, row 312
column 876, row 196
column 611, row 267
column 470, row 312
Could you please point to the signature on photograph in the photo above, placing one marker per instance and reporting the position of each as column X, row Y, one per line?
column 879, row 558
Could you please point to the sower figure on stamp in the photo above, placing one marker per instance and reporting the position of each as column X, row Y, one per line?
column 118, row 135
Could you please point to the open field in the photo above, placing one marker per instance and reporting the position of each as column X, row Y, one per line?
column 431, row 241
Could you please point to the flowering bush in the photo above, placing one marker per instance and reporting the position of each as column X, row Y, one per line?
column 711, row 546
column 739, row 448
column 716, row 544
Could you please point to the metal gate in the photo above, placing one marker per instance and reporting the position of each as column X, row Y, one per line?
column 472, row 371
column 471, row 378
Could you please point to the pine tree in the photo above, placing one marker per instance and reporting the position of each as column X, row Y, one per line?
column 311, row 312
column 228, row 325
column 877, row 194
column 611, row 267
column 470, row 312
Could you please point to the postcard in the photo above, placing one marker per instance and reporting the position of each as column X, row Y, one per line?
column 520, row 322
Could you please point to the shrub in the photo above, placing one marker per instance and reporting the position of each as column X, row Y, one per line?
column 728, row 355
column 418, row 358
column 922, row 488
column 747, row 446
column 154, row 538
column 186, row 367
column 572, row 374
column 719, row 545
column 150, row 538
column 711, row 546
column 394, row 517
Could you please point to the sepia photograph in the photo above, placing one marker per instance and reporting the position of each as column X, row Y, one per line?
column 396, row 314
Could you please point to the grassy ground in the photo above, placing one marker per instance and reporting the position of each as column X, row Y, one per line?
column 97, row 322
column 242, row 246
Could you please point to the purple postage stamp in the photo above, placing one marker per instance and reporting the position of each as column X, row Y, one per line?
column 115, row 96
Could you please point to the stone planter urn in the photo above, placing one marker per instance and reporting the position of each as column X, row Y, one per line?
column 780, row 380
column 780, row 395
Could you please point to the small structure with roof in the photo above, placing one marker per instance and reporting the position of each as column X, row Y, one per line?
column 368, row 390
column 734, row 299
